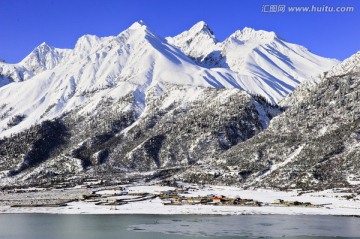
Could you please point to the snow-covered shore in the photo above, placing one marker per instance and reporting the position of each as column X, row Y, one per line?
column 333, row 201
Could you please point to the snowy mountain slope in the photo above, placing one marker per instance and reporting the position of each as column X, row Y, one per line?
column 351, row 64
column 13, row 72
column 43, row 57
column 112, row 66
column 348, row 66
column 250, row 59
column 257, row 56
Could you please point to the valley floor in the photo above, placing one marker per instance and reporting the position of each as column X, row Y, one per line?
column 74, row 201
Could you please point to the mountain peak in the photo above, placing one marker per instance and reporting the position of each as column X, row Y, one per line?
column 86, row 42
column 138, row 24
column 249, row 34
column 351, row 64
column 43, row 57
column 43, row 44
column 43, row 48
column 196, row 42
column 39, row 51
column 202, row 27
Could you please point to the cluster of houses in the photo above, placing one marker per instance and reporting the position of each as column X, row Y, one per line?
column 178, row 196
column 280, row 202
column 173, row 197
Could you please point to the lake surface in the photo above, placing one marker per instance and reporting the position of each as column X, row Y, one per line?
column 46, row 226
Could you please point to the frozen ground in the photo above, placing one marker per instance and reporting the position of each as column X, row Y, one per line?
column 334, row 202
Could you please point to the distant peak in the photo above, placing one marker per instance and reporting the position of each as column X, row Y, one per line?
column 202, row 27
column 43, row 45
column 86, row 42
column 138, row 24
column 88, row 37
column 249, row 33
column 43, row 48
column 199, row 31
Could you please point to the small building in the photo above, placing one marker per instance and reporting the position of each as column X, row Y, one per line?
column 216, row 200
column 205, row 201
column 166, row 202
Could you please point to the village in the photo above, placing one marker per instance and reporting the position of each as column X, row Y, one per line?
column 183, row 195
column 107, row 197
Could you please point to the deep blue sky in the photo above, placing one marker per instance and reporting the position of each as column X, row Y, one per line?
column 24, row 24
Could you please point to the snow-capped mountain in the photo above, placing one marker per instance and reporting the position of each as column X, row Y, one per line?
column 97, row 67
column 42, row 58
column 137, row 101
column 197, row 42
column 263, row 62
column 137, row 59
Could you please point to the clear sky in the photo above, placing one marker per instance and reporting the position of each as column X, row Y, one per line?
column 24, row 24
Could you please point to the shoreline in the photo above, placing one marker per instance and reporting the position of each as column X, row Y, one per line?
column 328, row 202
column 163, row 214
